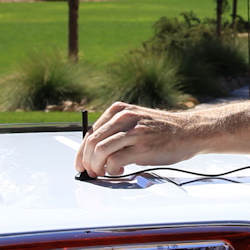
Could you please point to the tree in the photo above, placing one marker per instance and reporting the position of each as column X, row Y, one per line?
column 219, row 11
column 222, row 7
column 234, row 12
column 73, row 30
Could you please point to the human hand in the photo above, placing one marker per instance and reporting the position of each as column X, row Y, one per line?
column 127, row 134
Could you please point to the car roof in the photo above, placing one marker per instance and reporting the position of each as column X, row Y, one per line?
column 38, row 190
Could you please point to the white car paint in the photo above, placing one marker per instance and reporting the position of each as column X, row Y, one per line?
column 38, row 190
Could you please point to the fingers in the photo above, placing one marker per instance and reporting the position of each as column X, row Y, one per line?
column 79, row 157
column 119, row 159
column 119, row 106
column 78, row 160
column 119, row 123
column 107, row 147
column 109, row 113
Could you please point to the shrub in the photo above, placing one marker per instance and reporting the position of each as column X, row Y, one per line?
column 205, row 63
column 172, row 35
column 42, row 79
column 199, row 78
column 145, row 79
column 241, row 24
column 224, row 56
column 202, row 59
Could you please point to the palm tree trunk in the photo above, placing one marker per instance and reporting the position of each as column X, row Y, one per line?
column 234, row 13
column 219, row 17
column 73, row 30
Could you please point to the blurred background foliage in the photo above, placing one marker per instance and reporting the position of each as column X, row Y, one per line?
column 151, row 53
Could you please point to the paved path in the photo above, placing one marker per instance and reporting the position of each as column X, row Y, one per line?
column 235, row 96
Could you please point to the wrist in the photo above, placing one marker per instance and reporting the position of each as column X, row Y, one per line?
column 219, row 130
column 193, row 134
column 202, row 133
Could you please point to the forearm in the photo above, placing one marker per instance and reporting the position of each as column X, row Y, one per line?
column 224, row 129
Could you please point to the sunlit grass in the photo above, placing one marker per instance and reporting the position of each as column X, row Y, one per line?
column 106, row 29
column 40, row 117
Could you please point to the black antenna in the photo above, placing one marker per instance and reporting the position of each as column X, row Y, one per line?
column 84, row 122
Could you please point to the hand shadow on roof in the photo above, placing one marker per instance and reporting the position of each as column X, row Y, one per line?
column 146, row 180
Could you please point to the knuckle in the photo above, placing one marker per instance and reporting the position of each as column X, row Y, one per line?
column 91, row 140
column 100, row 149
column 99, row 171
column 131, row 107
column 126, row 114
column 140, row 129
column 112, row 162
column 118, row 106
column 117, row 103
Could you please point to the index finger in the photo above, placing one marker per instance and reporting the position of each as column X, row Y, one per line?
column 109, row 113
column 78, row 159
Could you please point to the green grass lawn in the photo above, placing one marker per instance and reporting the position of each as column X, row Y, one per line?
column 106, row 29
column 37, row 117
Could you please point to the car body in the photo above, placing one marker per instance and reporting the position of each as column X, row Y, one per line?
column 42, row 206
